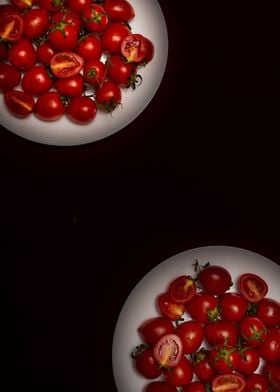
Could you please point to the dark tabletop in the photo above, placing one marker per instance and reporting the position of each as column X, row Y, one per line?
column 82, row 225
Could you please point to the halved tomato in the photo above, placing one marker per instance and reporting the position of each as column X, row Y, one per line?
column 170, row 308
column 252, row 287
column 228, row 383
column 168, row 350
column 11, row 28
column 137, row 49
column 66, row 64
column 182, row 289
column 19, row 103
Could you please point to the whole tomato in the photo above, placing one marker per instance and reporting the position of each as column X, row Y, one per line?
column 95, row 18
column 215, row 279
column 125, row 75
column 81, row 110
column 119, row 10
column 191, row 334
column 63, row 36
column 35, row 23
column 77, row 6
column 221, row 331
column 224, row 358
column 155, row 328
column 233, row 306
column 94, row 72
column 49, row 106
column 70, row 87
column 147, row 365
column 201, row 365
column 249, row 360
column 203, row 307
column 9, row 77
column 22, row 55
column 268, row 311
column 89, row 47
column 269, row 350
column 113, row 36
column 253, row 330
column 36, row 81
column 180, row 375
column 45, row 52
column 109, row 96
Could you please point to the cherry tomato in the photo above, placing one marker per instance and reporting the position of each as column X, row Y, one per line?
column 183, row 288
column 51, row 5
column 271, row 371
column 11, row 28
column 49, row 106
column 9, row 77
column 224, row 358
column 169, row 308
column 35, row 23
column 201, row 365
column 3, row 51
column 191, row 335
column 221, row 331
column 233, row 306
column 252, row 331
column 109, row 96
column 215, row 279
column 122, row 73
column 81, row 110
column 8, row 9
column 95, row 18
column 155, row 328
column 68, row 16
column 180, row 375
column 203, row 307
column 256, row 382
column 146, row 364
column 22, row 55
column 119, row 10
column 168, row 350
column 160, row 386
column 45, row 53
column 22, row 4
column 195, row 386
column 269, row 350
column 228, row 383
column 268, row 311
column 70, row 87
column 77, row 6
column 137, row 49
column 66, row 64
column 249, row 360
column 113, row 36
column 94, row 72
column 19, row 103
column 36, row 81
column 252, row 287
column 89, row 47
column 63, row 36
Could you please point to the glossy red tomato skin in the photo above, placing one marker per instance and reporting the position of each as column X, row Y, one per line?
column 160, row 386
column 253, row 331
column 45, row 52
column 66, row 64
column 89, row 47
column 68, row 16
column 36, row 81
column 9, row 77
column 195, row 386
column 11, row 28
column 113, row 36
column 271, row 371
column 233, row 306
column 249, row 361
column 119, row 10
column 203, row 307
column 95, row 18
column 252, row 287
column 221, row 332
column 256, row 382
column 268, row 312
column 168, row 308
column 22, row 55
column 108, row 96
column 168, row 350
column 3, row 51
column 180, row 375
column 183, row 288
column 81, row 110
column 35, row 23
column 191, row 335
column 215, row 279
column 121, row 72
column 70, row 87
column 19, row 103
column 77, row 5
column 50, row 5
column 269, row 350
column 223, row 358
column 63, row 36
column 153, row 329
column 224, row 382
column 49, row 106
column 147, row 366
column 94, row 72
column 8, row 9
column 137, row 49
column 201, row 365
column 22, row 4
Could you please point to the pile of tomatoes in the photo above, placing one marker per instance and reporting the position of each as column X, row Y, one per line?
column 68, row 56
column 210, row 338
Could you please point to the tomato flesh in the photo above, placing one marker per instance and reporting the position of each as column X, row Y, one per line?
column 19, row 103
column 228, row 383
column 252, row 287
column 182, row 289
column 168, row 350
column 66, row 64
column 11, row 28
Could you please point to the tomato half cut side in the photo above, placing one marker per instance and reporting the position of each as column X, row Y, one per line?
column 182, row 289
column 66, row 64
column 19, row 103
column 228, row 383
column 252, row 287
column 11, row 28
column 137, row 49
column 168, row 350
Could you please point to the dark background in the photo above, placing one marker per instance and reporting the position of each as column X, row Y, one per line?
column 82, row 225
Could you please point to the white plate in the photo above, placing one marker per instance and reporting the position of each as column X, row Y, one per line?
column 140, row 304
column 149, row 21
